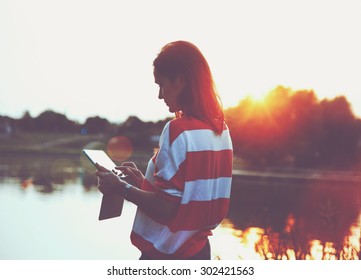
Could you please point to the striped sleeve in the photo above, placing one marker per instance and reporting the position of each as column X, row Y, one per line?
column 167, row 163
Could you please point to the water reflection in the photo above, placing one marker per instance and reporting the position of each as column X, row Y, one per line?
column 267, row 219
column 284, row 218
column 48, row 174
column 63, row 225
column 259, row 244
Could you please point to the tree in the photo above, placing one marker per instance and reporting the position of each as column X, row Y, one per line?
column 295, row 127
column 95, row 125
column 340, row 135
column 26, row 123
column 50, row 121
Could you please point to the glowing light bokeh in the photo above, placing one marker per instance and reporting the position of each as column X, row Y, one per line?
column 120, row 148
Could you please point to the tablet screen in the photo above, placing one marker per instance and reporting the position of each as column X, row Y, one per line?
column 100, row 157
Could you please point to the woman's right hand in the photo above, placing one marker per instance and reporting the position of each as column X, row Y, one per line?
column 133, row 173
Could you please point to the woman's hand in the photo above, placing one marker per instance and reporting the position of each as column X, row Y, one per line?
column 150, row 202
column 108, row 181
column 133, row 173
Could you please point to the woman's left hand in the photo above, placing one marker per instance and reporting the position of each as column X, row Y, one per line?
column 108, row 181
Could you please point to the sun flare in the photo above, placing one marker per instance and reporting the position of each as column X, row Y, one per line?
column 258, row 97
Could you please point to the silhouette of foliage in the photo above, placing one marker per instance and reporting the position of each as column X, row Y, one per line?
column 141, row 132
column 48, row 121
column 27, row 123
column 96, row 125
column 287, row 128
column 295, row 128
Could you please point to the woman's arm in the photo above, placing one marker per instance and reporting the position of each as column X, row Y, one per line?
column 152, row 203
column 149, row 202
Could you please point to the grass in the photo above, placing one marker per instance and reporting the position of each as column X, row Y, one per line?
column 56, row 144
column 41, row 155
column 46, row 143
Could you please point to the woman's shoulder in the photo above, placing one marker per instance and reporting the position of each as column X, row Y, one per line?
column 184, row 126
column 188, row 123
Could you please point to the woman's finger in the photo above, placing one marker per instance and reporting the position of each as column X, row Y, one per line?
column 134, row 174
column 130, row 171
column 103, row 189
column 129, row 164
column 100, row 167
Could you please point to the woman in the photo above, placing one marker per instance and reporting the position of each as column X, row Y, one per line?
column 185, row 191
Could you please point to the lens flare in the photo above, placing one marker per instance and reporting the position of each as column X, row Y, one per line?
column 120, row 148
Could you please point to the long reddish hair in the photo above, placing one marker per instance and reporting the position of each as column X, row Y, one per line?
column 199, row 98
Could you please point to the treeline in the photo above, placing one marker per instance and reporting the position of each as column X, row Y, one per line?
column 288, row 128
column 139, row 132
column 50, row 121
column 295, row 128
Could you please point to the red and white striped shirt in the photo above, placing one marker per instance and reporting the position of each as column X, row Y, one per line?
column 193, row 168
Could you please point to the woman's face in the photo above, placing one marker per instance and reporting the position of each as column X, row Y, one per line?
column 169, row 90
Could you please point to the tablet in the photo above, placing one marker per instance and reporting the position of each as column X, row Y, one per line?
column 100, row 157
column 112, row 204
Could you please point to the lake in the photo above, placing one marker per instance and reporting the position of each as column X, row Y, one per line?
column 60, row 225
column 54, row 215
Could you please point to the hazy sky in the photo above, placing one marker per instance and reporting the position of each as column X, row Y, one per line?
column 85, row 58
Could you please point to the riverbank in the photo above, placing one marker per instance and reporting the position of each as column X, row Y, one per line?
column 54, row 145
column 47, row 143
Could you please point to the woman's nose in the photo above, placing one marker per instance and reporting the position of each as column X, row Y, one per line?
column 160, row 95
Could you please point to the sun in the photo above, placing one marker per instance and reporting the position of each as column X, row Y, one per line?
column 258, row 97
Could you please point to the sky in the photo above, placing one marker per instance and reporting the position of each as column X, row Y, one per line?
column 86, row 58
